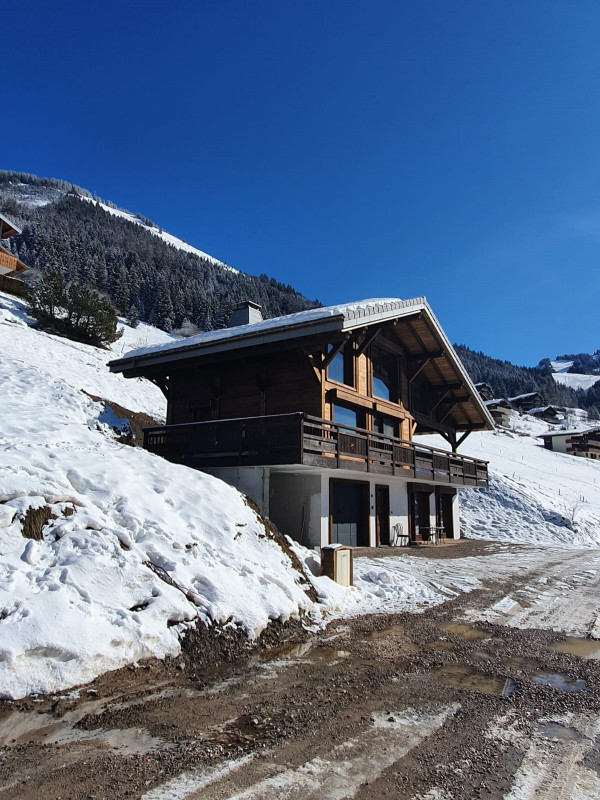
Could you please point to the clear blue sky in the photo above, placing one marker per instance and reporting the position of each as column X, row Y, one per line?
column 351, row 149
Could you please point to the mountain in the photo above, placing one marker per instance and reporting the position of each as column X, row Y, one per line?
column 508, row 380
column 131, row 259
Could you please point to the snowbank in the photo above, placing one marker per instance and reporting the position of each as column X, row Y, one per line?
column 134, row 548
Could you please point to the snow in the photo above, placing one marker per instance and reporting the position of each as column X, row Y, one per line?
column 362, row 307
column 166, row 237
column 561, row 366
column 576, row 381
column 535, row 495
column 138, row 547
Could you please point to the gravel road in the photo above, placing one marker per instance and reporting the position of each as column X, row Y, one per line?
column 474, row 698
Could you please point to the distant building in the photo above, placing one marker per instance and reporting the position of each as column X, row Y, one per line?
column 501, row 411
column 485, row 391
column 585, row 444
column 552, row 414
column 525, row 402
column 9, row 264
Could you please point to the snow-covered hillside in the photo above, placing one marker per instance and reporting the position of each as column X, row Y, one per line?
column 575, row 380
column 166, row 237
column 135, row 547
column 536, row 496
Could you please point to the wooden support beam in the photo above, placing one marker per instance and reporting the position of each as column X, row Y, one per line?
column 441, row 400
column 420, row 356
column 462, row 438
column 334, row 351
column 163, row 383
column 367, row 341
column 316, row 365
column 417, row 373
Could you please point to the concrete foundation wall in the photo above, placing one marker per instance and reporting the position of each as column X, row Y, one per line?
column 295, row 506
column 253, row 481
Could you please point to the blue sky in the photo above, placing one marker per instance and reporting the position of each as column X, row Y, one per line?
column 351, row 149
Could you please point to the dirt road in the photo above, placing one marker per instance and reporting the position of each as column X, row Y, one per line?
column 474, row 698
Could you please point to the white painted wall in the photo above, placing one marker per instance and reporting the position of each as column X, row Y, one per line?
column 253, row 481
column 295, row 505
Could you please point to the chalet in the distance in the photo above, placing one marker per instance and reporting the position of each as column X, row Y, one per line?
column 9, row 264
column 313, row 416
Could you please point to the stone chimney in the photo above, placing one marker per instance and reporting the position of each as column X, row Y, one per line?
column 245, row 314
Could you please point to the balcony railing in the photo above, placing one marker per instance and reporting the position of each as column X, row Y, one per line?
column 301, row 439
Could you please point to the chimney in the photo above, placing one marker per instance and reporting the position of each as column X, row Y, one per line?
column 245, row 314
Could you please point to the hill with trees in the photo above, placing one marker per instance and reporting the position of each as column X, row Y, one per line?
column 65, row 228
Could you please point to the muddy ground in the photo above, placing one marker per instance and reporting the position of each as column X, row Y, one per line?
column 398, row 706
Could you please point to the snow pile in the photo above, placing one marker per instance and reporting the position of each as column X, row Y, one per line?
column 536, row 496
column 134, row 547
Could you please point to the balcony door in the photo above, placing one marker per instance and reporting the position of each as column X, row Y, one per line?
column 382, row 514
column 419, row 519
column 348, row 513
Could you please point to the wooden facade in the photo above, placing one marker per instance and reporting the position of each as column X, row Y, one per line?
column 314, row 416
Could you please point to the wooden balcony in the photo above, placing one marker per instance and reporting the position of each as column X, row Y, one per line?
column 300, row 439
column 10, row 264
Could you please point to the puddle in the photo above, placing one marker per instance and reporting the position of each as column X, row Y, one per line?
column 554, row 730
column 386, row 632
column 574, row 646
column 559, row 682
column 18, row 727
column 463, row 677
column 465, row 631
column 307, row 651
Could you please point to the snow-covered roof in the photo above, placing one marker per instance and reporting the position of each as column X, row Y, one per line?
column 552, row 434
column 497, row 401
column 541, row 409
column 8, row 228
column 315, row 321
column 523, row 396
column 339, row 317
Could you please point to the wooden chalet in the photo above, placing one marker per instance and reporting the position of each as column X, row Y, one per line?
column 314, row 414
column 9, row 264
column 552, row 414
column 525, row 402
column 585, row 444
column 501, row 411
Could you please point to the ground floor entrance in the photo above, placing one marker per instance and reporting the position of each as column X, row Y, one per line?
column 349, row 513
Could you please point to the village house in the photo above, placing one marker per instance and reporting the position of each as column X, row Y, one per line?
column 501, row 411
column 552, row 414
column 525, row 402
column 9, row 264
column 313, row 415
column 585, row 444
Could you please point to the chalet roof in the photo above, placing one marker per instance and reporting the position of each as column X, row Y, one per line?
column 8, row 228
column 523, row 396
column 552, row 434
column 421, row 335
column 497, row 401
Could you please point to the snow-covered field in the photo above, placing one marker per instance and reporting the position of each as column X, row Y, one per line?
column 576, row 381
column 536, row 496
column 137, row 548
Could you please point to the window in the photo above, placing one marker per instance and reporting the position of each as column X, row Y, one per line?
column 345, row 416
column 385, row 376
column 341, row 368
column 384, row 425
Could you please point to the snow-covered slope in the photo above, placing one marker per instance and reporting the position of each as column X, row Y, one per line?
column 575, row 380
column 135, row 547
column 535, row 495
column 166, row 237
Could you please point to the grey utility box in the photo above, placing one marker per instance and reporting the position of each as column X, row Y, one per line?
column 337, row 563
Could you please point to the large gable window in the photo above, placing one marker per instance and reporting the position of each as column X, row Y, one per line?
column 385, row 376
column 341, row 367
